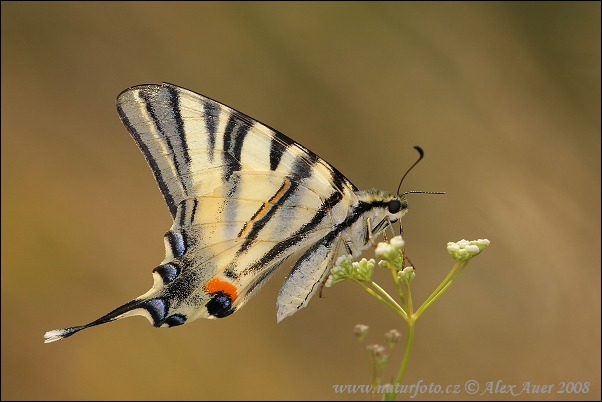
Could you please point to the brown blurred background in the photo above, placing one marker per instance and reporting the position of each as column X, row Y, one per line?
column 504, row 98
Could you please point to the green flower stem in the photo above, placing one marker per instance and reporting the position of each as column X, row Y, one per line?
column 374, row 372
column 386, row 295
column 410, row 305
column 406, row 357
column 447, row 282
column 447, row 278
column 393, row 306
column 398, row 286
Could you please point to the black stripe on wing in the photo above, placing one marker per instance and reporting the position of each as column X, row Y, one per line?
column 234, row 137
column 212, row 111
column 169, row 200
column 163, row 108
column 174, row 102
column 167, row 121
column 278, row 145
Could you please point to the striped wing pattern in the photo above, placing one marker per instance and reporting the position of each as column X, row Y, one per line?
column 243, row 198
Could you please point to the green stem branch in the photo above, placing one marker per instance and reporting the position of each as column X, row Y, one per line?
column 390, row 396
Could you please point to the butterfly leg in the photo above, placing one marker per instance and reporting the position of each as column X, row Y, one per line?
column 369, row 232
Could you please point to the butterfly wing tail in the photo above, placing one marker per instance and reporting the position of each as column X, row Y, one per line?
column 58, row 334
column 142, row 307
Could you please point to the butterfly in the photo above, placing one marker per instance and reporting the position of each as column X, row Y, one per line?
column 243, row 198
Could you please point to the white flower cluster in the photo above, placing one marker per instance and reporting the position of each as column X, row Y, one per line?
column 406, row 275
column 464, row 250
column 342, row 270
column 345, row 268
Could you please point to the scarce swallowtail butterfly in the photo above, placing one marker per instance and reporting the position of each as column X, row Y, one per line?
column 243, row 198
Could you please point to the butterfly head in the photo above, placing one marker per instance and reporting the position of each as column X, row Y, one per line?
column 397, row 207
column 382, row 209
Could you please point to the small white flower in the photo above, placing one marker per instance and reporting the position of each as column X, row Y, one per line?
column 463, row 243
column 360, row 331
column 472, row 249
column 481, row 243
column 392, row 337
column 397, row 242
column 377, row 351
column 390, row 251
column 363, row 269
column 343, row 260
column 382, row 249
column 452, row 247
column 342, row 270
column 406, row 275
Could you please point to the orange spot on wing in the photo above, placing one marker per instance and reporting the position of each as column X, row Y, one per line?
column 219, row 285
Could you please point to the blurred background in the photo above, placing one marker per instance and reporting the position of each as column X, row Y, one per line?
column 503, row 97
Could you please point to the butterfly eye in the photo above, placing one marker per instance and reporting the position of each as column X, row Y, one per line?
column 394, row 206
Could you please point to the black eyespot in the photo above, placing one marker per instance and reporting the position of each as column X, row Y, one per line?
column 167, row 272
column 220, row 305
column 394, row 206
column 175, row 320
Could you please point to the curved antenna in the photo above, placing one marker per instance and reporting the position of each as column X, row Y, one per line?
column 421, row 152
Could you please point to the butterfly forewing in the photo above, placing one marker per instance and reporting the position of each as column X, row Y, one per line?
column 194, row 144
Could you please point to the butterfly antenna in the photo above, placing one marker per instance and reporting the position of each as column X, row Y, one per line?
column 421, row 152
